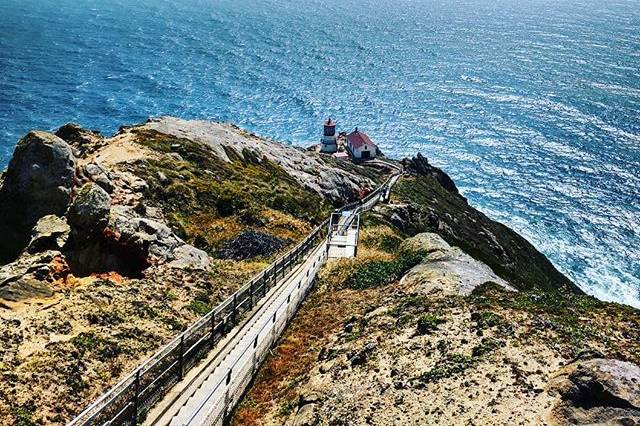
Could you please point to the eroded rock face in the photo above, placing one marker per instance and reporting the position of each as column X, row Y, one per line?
column 420, row 165
column 29, row 276
column 83, row 141
column 597, row 391
column 89, row 213
column 50, row 233
column 96, row 173
column 445, row 269
column 38, row 182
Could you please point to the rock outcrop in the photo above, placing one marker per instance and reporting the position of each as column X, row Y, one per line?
column 50, row 233
column 38, row 182
column 420, row 166
column 421, row 205
column 84, row 141
column 89, row 213
column 446, row 269
column 314, row 171
column 29, row 276
column 597, row 391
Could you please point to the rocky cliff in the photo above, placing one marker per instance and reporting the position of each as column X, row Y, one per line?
column 417, row 331
column 112, row 245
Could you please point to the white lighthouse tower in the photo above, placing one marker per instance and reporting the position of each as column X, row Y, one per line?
column 329, row 143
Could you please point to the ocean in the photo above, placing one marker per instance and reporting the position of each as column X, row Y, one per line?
column 533, row 107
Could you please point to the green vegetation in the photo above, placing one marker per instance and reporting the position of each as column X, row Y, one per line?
column 454, row 364
column 201, row 304
column 89, row 342
column 23, row 416
column 574, row 320
column 428, row 323
column 447, row 367
column 106, row 318
column 199, row 307
column 507, row 253
column 385, row 242
column 209, row 200
column 487, row 319
column 379, row 272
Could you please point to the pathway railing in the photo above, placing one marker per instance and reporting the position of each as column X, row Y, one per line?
column 127, row 402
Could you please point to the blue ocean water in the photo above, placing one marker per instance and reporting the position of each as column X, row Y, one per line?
column 532, row 106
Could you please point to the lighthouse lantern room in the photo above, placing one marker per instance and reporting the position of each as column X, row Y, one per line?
column 329, row 143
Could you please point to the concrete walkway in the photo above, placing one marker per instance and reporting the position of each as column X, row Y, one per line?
column 215, row 386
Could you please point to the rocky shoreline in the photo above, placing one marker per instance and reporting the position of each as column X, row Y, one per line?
column 114, row 244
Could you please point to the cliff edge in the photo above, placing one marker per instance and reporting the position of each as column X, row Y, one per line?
column 115, row 244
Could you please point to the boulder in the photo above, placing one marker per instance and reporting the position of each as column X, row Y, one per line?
column 426, row 242
column 148, row 238
column 89, row 213
column 82, row 140
column 29, row 276
column 446, row 270
column 596, row 391
column 38, row 182
column 129, row 243
column 50, row 233
column 305, row 416
column 190, row 258
column 95, row 173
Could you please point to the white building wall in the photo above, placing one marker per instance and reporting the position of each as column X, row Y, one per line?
column 329, row 144
column 357, row 152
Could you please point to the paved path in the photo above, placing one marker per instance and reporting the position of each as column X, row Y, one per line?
column 219, row 382
column 211, row 389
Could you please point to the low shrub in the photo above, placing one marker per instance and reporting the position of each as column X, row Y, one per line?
column 380, row 272
column 428, row 323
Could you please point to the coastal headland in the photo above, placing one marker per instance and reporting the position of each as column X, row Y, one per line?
column 113, row 245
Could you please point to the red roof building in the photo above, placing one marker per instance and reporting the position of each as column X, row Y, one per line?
column 360, row 146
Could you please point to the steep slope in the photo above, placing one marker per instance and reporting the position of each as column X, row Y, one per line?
column 121, row 242
column 416, row 331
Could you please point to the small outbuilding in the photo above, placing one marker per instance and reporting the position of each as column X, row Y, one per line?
column 360, row 146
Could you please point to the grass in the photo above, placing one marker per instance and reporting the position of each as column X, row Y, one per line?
column 507, row 253
column 208, row 200
column 379, row 272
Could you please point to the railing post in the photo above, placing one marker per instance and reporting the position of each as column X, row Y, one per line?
column 226, row 402
column 181, row 360
column 136, row 398
column 235, row 307
column 213, row 329
column 251, row 290
column 264, row 284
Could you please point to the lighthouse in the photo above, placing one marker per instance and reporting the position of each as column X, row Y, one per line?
column 329, row 143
